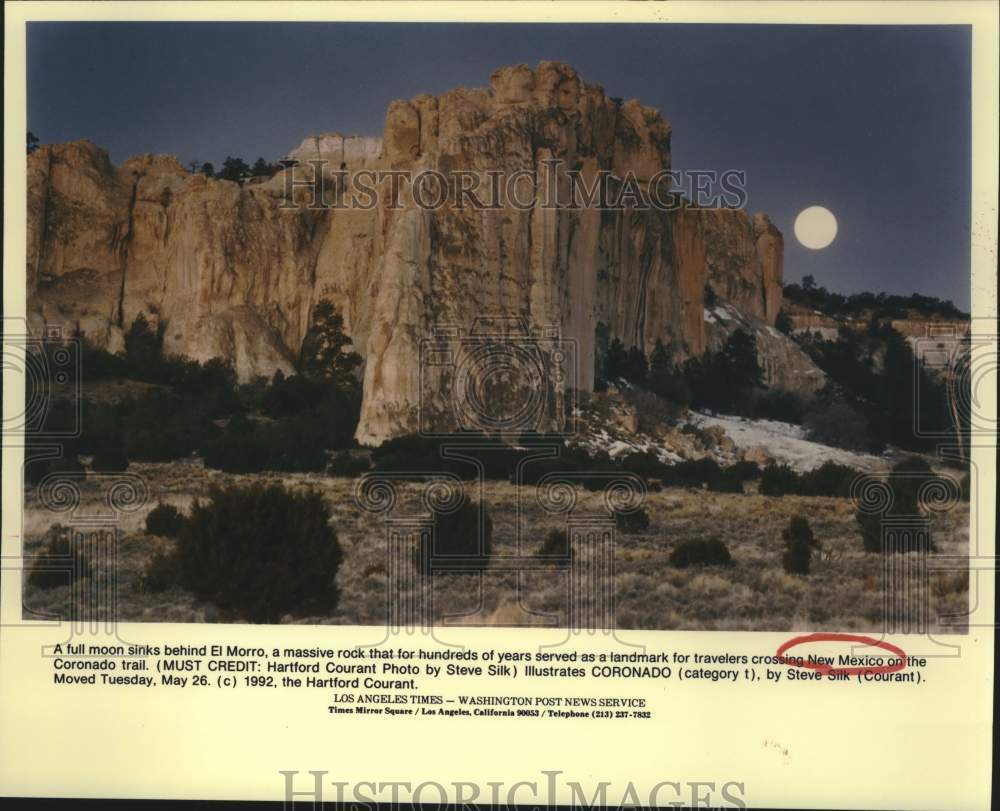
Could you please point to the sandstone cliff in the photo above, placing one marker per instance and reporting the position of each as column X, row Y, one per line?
column 233, row 271
column 783, row 363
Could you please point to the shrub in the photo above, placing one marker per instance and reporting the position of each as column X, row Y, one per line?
column 60, row 561
column 878, row 374
column 61, row 417
column 344, row 464
column 692, row 473
column 408, row 453
column 778, row 480
column 212, row 384
column 646, row 464
column 726, row 381
column 905, row 480
column 577, row 458
column 778, row 404
column 615, row 362
column 799, row 543
column 711, row 552
column 573, row 459
column 498, row 460
column 871, row 531
column 665, row 380
column 160, row 427
column 744, row 470
column 796, row 559
column 651, row 411
column 726, row 482
column 110, row 456
column 36, row 469
column 250, row 447
column 260, row 552
column 632, row 522
column 239, row 450
column 164, row 520
column 783, row 323
column 99, row 364
column 332, row 423
column 731, row 479
column 457, row 534
column 162, row 571
column 286, row 396
column 495, row 458
column 556, row 544
column 838, row 425
column 829, row 479
column 144, row 351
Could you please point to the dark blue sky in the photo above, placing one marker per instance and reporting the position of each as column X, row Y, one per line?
column 872, row 122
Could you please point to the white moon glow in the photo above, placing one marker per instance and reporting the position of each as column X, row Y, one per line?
column 816, row 227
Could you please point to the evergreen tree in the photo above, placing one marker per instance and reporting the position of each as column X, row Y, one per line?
column 725, row 381
column 144, row 351
column 783, row 323
column 664, row 380
column 262, row 168
column 616, row 361
column 635, row 367
column 905, row 480
column 208, row 170
column 325, row 349
column 895, row 392
column 32, row 142
column 738, row 360
column 234, row 169
column 660, row 368
column 601, row 337
column 799, row 542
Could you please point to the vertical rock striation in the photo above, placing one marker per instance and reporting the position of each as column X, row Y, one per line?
column 233, row 271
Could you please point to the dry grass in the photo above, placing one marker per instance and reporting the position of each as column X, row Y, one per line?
column 843, row 591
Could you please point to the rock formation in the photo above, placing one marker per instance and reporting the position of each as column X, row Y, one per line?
column 233, row 271
column 783, row 363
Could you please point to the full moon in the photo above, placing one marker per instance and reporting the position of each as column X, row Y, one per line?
column 815, row 227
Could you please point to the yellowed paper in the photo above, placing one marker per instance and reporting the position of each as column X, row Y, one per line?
column 594, row 677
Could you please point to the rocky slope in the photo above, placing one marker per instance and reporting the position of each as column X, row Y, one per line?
column 783, row 363
column 234, row 271
column 935, row 340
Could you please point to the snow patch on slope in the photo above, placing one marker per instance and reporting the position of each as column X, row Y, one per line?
column 786, row 443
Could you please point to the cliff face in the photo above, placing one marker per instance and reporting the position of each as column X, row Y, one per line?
column 914, row 325
column 234, row 272
column 783, row 363
column 743, row 259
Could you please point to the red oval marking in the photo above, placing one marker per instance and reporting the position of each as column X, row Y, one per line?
column 826, row 669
